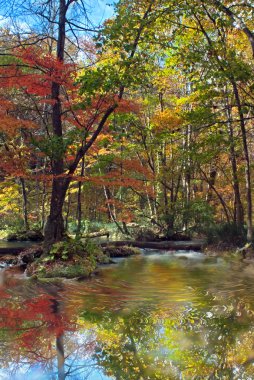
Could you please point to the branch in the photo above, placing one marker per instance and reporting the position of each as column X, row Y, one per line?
column 234, row 18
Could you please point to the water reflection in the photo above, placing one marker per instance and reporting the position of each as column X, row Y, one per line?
column 155, row 317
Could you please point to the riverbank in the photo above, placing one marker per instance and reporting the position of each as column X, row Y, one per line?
column 244, row 253
column 67, row 259
column 74, row 259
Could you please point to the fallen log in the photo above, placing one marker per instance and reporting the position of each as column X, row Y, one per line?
column 14, row 248
column 170, row 245
column 96, row 234
column 11, row 250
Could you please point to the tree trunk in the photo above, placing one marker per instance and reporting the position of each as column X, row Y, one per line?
column 43, row 201
column 112, row 214
column 54, row 228
column 238, row 207
column 24, row 197
column 79, row 204
column 67, row 212
column 247, row 162
column 212, row 187
column 211, row 182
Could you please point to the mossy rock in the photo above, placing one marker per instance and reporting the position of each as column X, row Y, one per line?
column 145, row 234
column 12, row 237
column 70, row 271
column 33, row 235
column 30, row 235
column 77, row 267
column 71, row 258
column 125, row 251
column 68, row 249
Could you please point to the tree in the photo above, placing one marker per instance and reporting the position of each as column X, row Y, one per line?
column 54, row 71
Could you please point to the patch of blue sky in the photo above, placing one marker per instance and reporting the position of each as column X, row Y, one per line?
column 97, row 12
column 101, row 10
column 81, row 369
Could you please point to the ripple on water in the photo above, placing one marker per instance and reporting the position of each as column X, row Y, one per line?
column 167, row 315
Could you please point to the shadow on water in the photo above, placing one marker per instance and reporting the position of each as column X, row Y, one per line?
column 158, row 316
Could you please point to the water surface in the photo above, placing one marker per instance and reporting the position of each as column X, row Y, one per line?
column 157, row 316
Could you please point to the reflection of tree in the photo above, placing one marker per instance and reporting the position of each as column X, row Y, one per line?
column 128, row 345
column 176, row 332
column 212, row 340
column 210, row 343
column 33, row 323
column 28, row 323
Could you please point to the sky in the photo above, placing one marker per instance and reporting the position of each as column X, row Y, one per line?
column 97, row 11
column 101, row 10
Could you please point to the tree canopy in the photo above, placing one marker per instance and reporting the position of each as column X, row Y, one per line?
column 146, row 118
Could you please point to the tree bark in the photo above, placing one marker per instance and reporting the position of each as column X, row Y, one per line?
column 24, row 197
column 79, row 203
column 247, row 162
column 238, row 207
column 54, row 228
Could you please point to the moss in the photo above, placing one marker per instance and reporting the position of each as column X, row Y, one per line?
column 72, row 271
column 74, row 258
column 76, row 267
column 124, row 251
column 30, row 235
column 71, row 258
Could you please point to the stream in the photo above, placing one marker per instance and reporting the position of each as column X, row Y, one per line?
column 160, row 315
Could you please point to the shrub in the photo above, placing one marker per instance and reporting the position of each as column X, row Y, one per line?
column 229, row 233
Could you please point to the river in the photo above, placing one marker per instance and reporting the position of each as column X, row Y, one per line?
column 157, row 316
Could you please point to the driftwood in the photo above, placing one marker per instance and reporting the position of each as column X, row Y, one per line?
column 170, row 245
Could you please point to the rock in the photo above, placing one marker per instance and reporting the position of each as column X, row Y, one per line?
column 145, row 234
column 82, row 268
column 67, row 259
column 30, row 235
column 8, row 260
column 34, row 235
column 124, row 251
column 12, row 237
column 15, row 269
column 29, row 255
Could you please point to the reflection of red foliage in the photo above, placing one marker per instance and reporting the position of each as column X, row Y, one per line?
column 34, row 319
